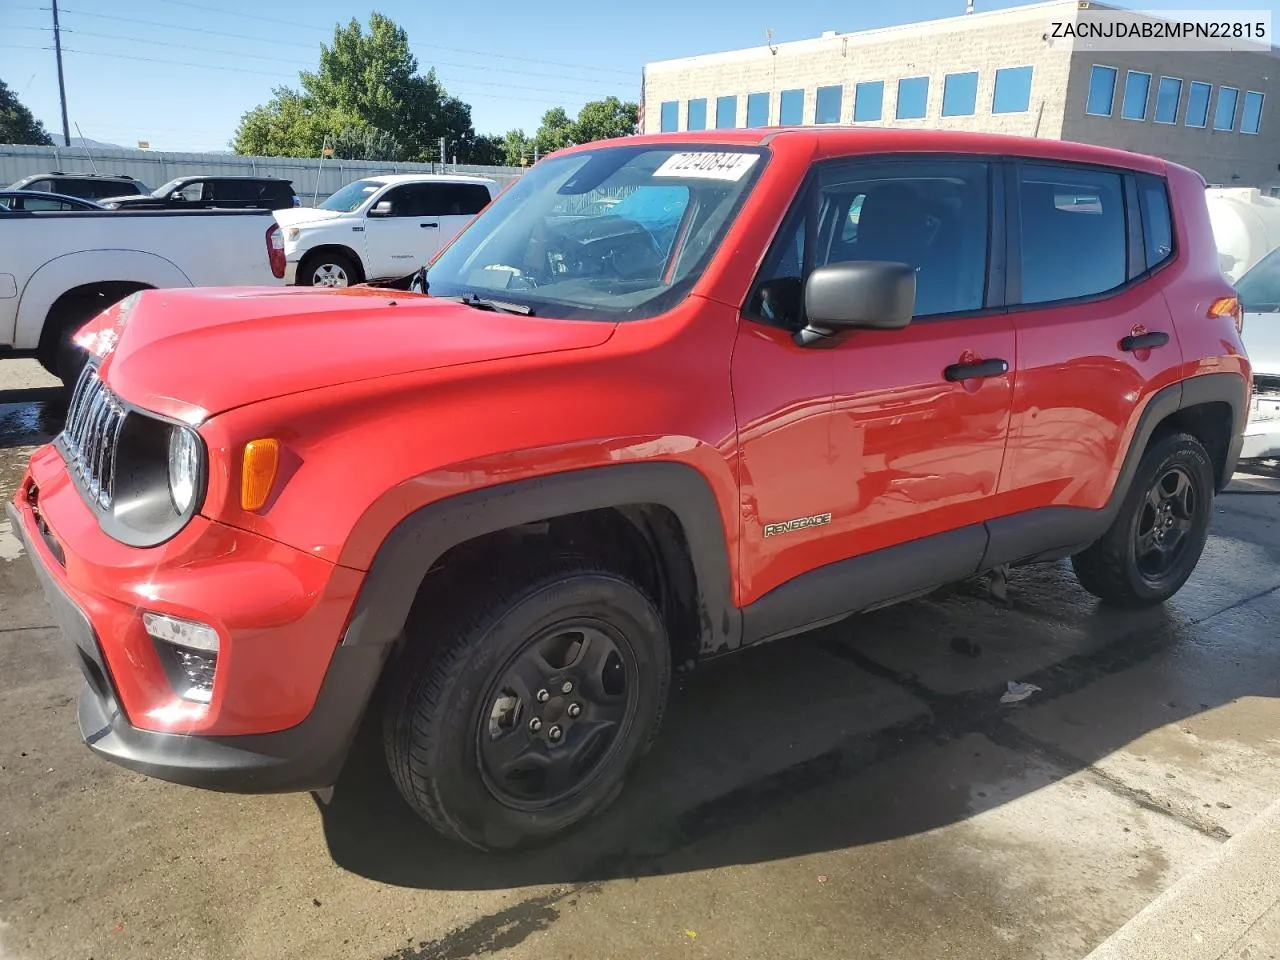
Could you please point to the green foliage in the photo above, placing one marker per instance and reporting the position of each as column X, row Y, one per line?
column 17, row 123
column 597, row 120
column 367, row 100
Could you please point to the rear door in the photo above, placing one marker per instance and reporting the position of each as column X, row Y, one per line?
column 455, row 204
column 1095, row 336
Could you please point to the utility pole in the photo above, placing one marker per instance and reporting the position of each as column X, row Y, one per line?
column 62, row 89
column 443, row 158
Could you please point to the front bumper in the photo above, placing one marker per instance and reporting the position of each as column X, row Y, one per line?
column 1262, row 432
column 196, row 749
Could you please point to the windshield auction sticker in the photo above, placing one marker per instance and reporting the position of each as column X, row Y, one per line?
column 708, row 166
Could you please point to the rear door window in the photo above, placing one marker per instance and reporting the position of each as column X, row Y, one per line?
column 453, row 199
column 1074, row 239
column 1157, row 220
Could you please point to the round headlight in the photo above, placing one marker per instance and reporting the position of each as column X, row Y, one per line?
column 184, row 467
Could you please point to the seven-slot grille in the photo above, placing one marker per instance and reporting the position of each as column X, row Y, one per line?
column 88, row 441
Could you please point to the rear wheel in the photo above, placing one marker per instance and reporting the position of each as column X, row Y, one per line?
column 521, row 714
column 1157, row 538
column 328, row 270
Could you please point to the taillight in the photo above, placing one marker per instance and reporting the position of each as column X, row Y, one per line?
column 1228, row 307
column 275, row 250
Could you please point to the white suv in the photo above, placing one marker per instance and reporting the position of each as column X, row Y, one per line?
column 378, row 228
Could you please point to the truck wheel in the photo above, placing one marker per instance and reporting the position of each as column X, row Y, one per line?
column 1156, row 539
column 521, row 714
column 328, row 270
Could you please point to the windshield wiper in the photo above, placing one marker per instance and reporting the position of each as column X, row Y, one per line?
column 485, row 303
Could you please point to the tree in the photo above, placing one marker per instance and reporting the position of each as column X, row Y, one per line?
column 367, row 95
column 489, row 150
column 604, row 119
column 556, row 131
column 17, row 123
column 516, row 147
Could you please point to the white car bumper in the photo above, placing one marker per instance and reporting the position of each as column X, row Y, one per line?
column 1262, row 432
column 290, row 272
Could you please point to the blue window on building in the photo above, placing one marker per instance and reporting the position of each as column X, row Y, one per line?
column 726, row 113
column 1168, row 97
column 1137, row 91
column 1251, row 117
column 670, row 115
column 791, row 108
column 697, row 114
column 827, row 108
column 1102, row 92
column 758, row 110
column 959, row 94
column 1198, row 105
column 913, row 98
column 1224, row 116
column 1013, row 90
column 868, row 100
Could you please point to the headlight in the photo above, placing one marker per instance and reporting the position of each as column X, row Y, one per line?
column 184, row 467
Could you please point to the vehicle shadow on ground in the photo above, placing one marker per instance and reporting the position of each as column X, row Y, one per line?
column 883, row 726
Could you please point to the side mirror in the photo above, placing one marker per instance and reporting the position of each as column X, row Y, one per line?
column 872, row 294
column 382, row 209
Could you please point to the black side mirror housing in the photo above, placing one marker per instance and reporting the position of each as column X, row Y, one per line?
column 869, row 294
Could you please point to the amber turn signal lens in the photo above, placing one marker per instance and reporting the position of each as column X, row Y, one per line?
column 1228, row 307
column 258, row 475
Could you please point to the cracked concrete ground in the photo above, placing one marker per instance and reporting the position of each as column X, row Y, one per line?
column 855, row 792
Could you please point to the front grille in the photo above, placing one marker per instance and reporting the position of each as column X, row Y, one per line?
column 89, row 439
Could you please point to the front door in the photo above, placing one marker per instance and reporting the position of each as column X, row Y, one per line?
column 406, row 238
column 884, row 437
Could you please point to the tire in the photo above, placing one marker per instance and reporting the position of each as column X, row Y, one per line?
column 478, row 734
column 340, row 270
column 1176, row 471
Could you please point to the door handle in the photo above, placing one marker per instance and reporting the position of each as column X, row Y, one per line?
column 431, row 225
column 1144, row 341
column 974, row 371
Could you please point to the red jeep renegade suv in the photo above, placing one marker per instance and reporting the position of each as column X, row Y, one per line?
column 666, row 397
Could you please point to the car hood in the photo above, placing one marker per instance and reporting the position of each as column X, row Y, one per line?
column 192, row 353
column 301, row 216
column 1261, row 338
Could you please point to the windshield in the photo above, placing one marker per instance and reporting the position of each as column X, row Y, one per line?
column 1259, row 288
column 352, row 196
column 617, row 233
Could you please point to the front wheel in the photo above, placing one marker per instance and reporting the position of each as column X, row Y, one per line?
column 521, row 713
column 334, row 270
column 1157, row 538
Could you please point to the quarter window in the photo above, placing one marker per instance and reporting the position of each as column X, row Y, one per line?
column 1251, row 117
column 1074, row 237
column 960, row 94
column 827, row 107
column 791, row 108
column 1137, row 90
column 913, row 98
column 670, row 116
column 726, row 113
column 1198, row 104
column 1102, row 92
column 1157, row 220
column 1224, row 117
column 758, row 110
column 868, row 101
column 697, row 114
column 1013, row 90
column 1168, row 96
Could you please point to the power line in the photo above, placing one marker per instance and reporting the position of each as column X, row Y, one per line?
column 266, row 73
column 305, row 63
column 313, row 45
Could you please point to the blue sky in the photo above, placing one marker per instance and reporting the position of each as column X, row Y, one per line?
column 180, row 73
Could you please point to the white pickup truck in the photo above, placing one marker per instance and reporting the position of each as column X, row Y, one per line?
column 379, row 227
column 59, row 269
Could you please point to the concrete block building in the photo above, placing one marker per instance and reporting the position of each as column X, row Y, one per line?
column 998, row 72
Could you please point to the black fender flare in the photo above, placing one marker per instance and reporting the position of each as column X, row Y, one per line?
column 422, row 537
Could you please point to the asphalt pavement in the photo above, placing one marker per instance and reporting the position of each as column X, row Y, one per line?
column 857, row 792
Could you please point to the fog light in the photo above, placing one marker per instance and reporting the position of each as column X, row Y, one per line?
column 189, row 653
column 181, row 633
